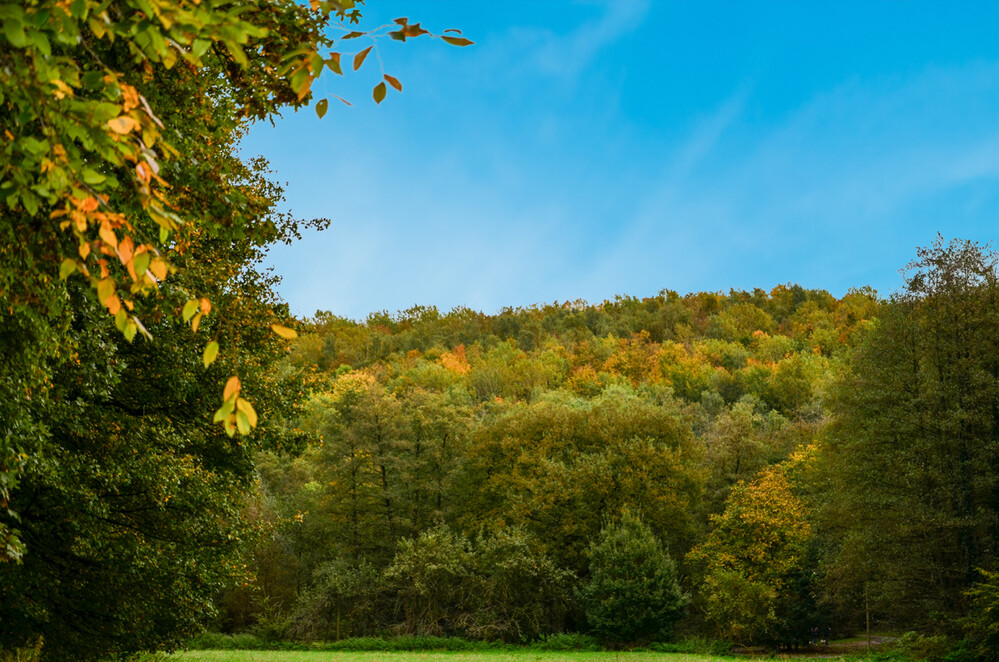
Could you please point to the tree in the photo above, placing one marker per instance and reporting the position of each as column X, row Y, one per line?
column 632, row 594
column 752, row 556
column 913, row 446
column 125, row 202
column 562, row 467
column 119, row 124
column 130, row 502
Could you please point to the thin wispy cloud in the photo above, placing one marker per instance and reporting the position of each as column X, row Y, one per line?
column 569, row 54
column 570, row 154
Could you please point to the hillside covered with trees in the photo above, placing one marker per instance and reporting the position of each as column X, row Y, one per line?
column 751, row 466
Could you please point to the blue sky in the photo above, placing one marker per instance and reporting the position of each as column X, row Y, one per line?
column 586, row 149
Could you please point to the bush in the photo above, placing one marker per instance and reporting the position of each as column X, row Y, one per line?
column 521, row 594
column 433, row 575
column 917, row 646
column 632, row 595
column 496, row 587
column 345, row 601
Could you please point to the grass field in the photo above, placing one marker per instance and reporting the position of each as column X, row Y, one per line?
column 498, row 656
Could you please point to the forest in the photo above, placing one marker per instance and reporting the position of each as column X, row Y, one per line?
column 179, row 453
column 752, row 466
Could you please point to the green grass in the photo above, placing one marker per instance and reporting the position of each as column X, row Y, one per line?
column 496, row 656
column 445, row 656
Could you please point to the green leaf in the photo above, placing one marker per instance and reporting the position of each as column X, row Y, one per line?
column 91, row 176
column 190, row 308
column 129, row 330
column 379, row 92
column 14, row 31
column 199, row 47
column 67, row 267
column 224, row 410
column 458, row 41
column 321, row 107
column 141, row 263
column 211, row 351
column 333, row 63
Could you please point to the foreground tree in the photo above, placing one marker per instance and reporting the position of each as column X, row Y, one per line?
column 913, row 448
column 632, row 594
column 126, row 207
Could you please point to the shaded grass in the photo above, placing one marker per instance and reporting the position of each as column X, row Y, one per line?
column 436, row 656
column 447, row 656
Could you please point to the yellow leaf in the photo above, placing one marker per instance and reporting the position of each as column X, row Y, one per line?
column 67, row 267
column 245, row 407
column 231, row 388
column 190, row 308
column 211, row 351
column 159, row 268
column 107, row 235
column 105, row 289
column 284, row 331
column 195, row 322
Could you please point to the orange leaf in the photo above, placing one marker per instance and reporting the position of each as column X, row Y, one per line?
column 394, row 82
column 231, row 388
column 122, row 125
column 125, row 250
column 359, row 58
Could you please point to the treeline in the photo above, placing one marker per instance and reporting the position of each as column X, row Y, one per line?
column 758, row 467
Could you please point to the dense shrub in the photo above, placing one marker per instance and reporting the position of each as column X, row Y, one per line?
column 521, row 594
column 346, row 600
column 433, row 575
column 495, row 587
